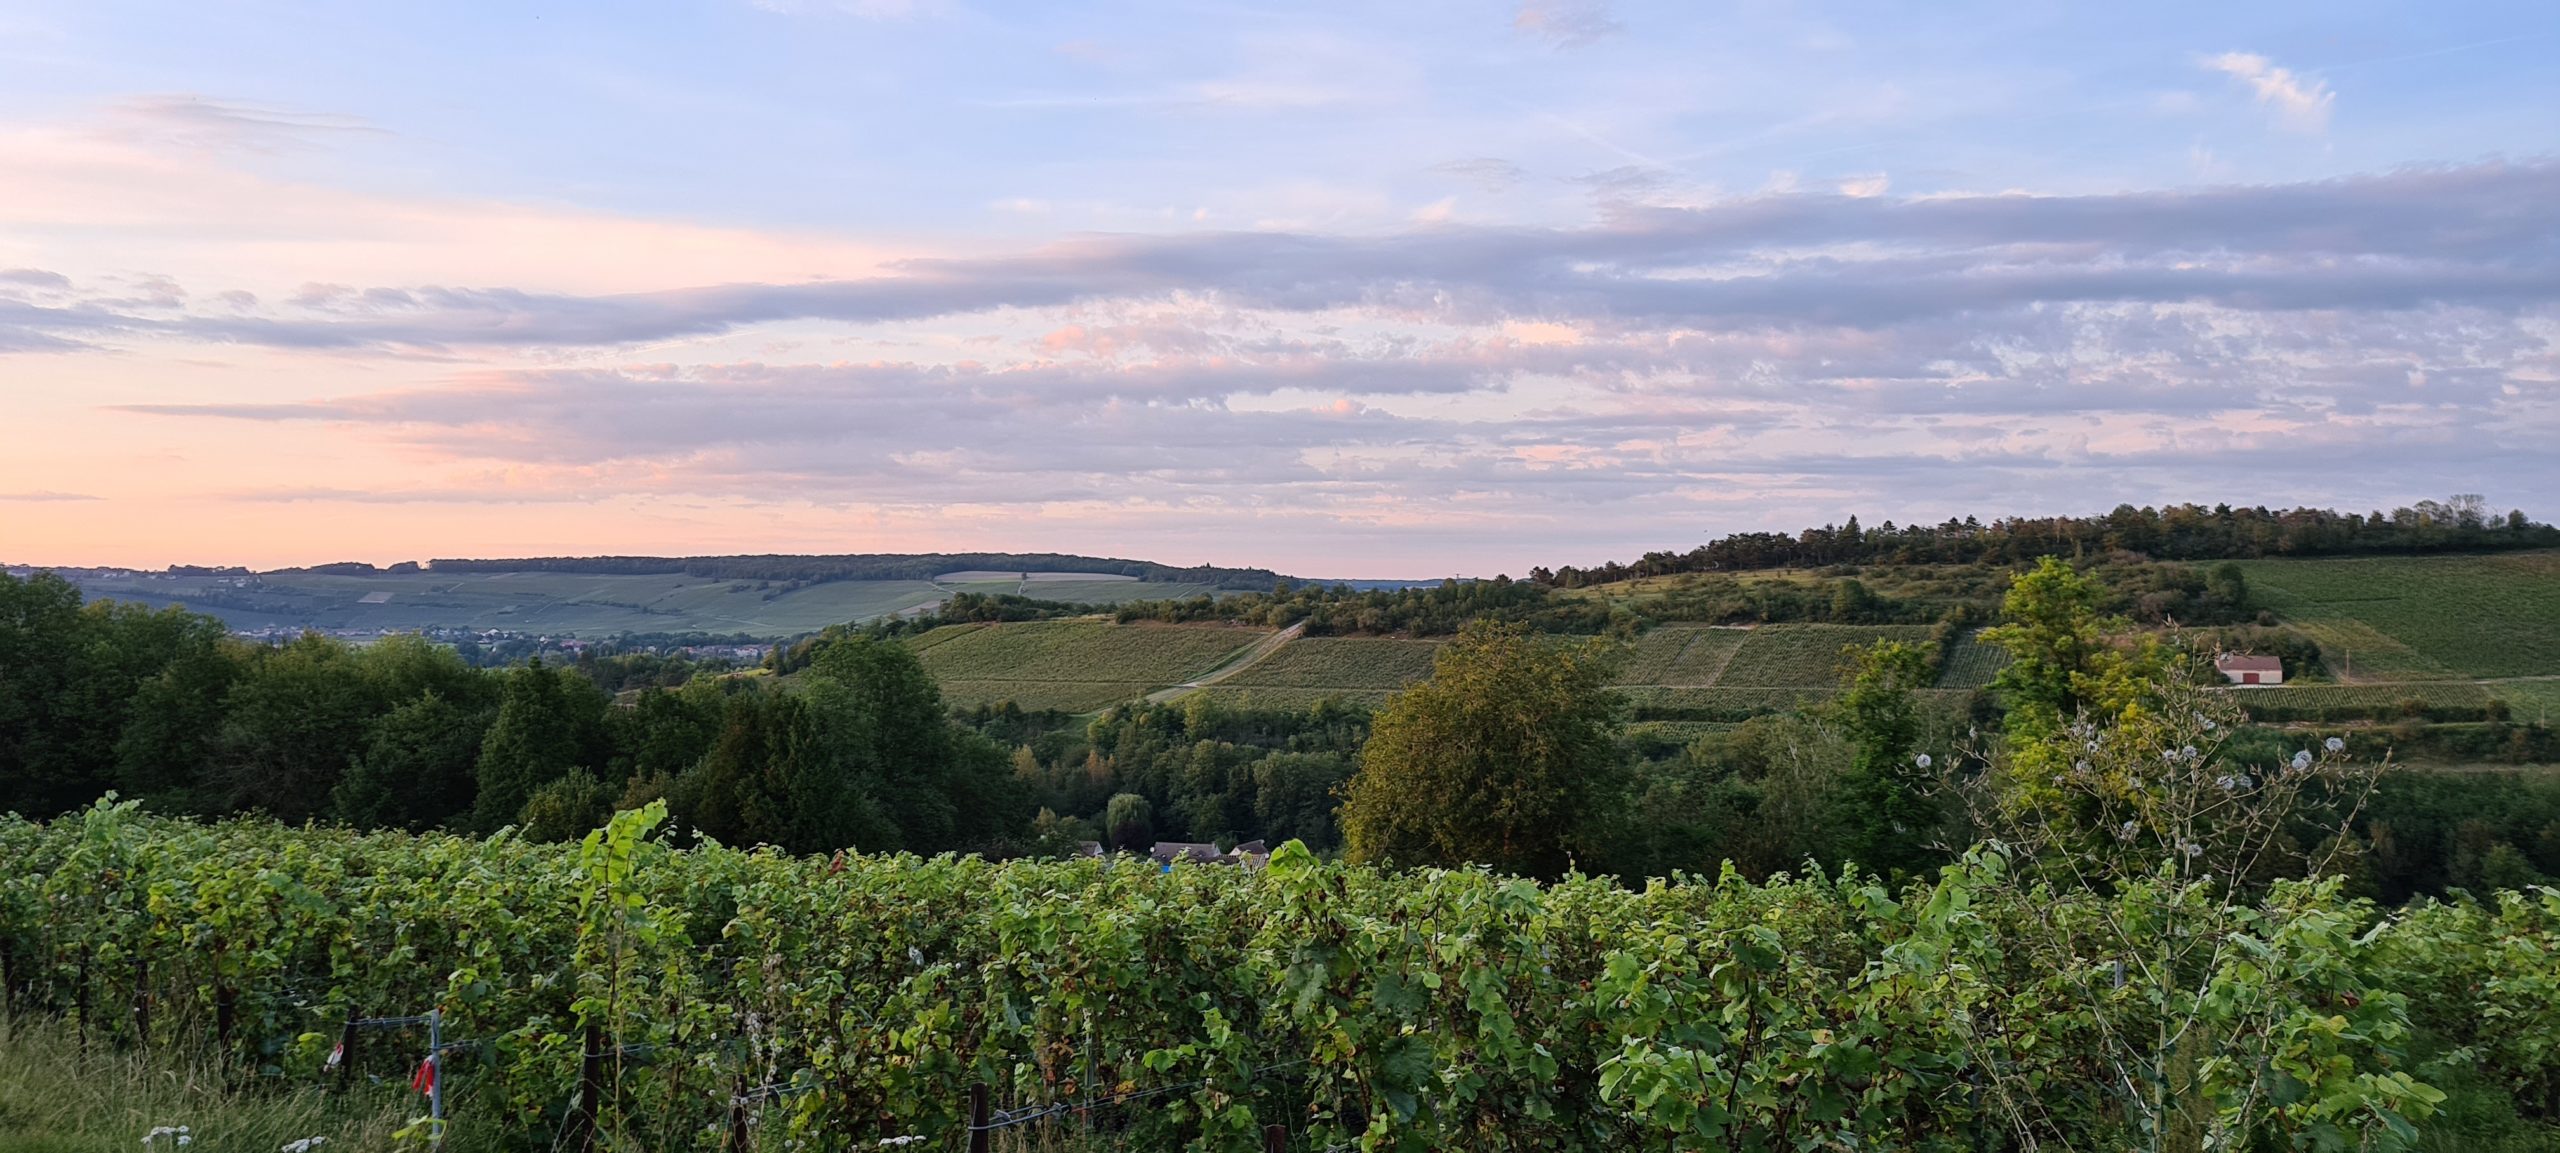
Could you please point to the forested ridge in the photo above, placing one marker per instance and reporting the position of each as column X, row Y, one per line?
column 2182, row 532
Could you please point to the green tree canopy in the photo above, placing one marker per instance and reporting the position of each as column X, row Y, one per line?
column 1499, row 759
column 547, row 721
column 1883, row 812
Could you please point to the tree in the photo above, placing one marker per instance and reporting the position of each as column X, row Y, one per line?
column 544, row 720
column 42, row 636
column 290, row 727
column 884, row 714
column 1499, row 759
column 1129, row 821
column 1884, row 815
column 417, row 766
column 2057, row 642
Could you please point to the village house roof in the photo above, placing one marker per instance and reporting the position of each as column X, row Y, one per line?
column 1250, row 854
column 2247, row 663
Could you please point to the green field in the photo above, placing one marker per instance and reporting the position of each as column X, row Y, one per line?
column 2422, row 617
column 2536, row 701
column 1077, row 665
column 582, row 604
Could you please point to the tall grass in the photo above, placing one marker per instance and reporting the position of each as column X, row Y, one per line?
column 58, row 1097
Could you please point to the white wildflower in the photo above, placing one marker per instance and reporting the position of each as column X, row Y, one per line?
column 2194, row 849
column 1922, row 760
column 915, row 956
column 306, row 1145
column 2248, row 782
column 2225, row 782
column 2302, row 758
column 2126, row 830
column 2335, row 744
column 2190, row 753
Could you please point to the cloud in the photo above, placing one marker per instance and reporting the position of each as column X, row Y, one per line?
column 2301, row 104
column 207, row 122
column 35, row 278
column 1792, row 354
column 2485, row 236
column 46, row 496
column 1491, row 173
column 1566, row 23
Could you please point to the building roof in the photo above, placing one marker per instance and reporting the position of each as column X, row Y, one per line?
column 2247, row 663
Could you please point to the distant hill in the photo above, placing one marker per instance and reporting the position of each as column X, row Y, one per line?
column 810, row 569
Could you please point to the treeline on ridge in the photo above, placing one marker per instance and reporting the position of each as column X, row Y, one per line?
column 2184, row 532
column 2145, row 591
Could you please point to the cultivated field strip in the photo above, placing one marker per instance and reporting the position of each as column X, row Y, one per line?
column 1805, row 656
column 1339, row 663
column 1971, row 664
column 1081, row 651
column 1681, row 655
column 2471, row 616
column 1066, row 696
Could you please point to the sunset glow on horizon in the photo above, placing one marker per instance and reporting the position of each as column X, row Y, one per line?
column 1339, row 291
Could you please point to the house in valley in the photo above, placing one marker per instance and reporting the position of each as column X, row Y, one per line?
column 2249, row 668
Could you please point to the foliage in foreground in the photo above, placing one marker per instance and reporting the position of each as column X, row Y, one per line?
column 1420, row 1010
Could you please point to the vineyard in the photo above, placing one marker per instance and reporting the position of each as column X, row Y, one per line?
column 1076, row 665
column 1340, row 663
column 1806, row 656
column 667, row 998
column 1681, row 655
column 1971, row 664
column 2475, row 616
column 2292, row 699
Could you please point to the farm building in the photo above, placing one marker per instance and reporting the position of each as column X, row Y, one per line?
column 2249, row 669
column 1250, row 854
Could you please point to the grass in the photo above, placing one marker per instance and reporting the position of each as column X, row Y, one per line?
column 56, row 1098
column 588, row 604
column 2532, row 701
column 1077, row 665
column 2424, row 617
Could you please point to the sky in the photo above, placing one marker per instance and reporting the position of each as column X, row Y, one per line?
column 1343, row 290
